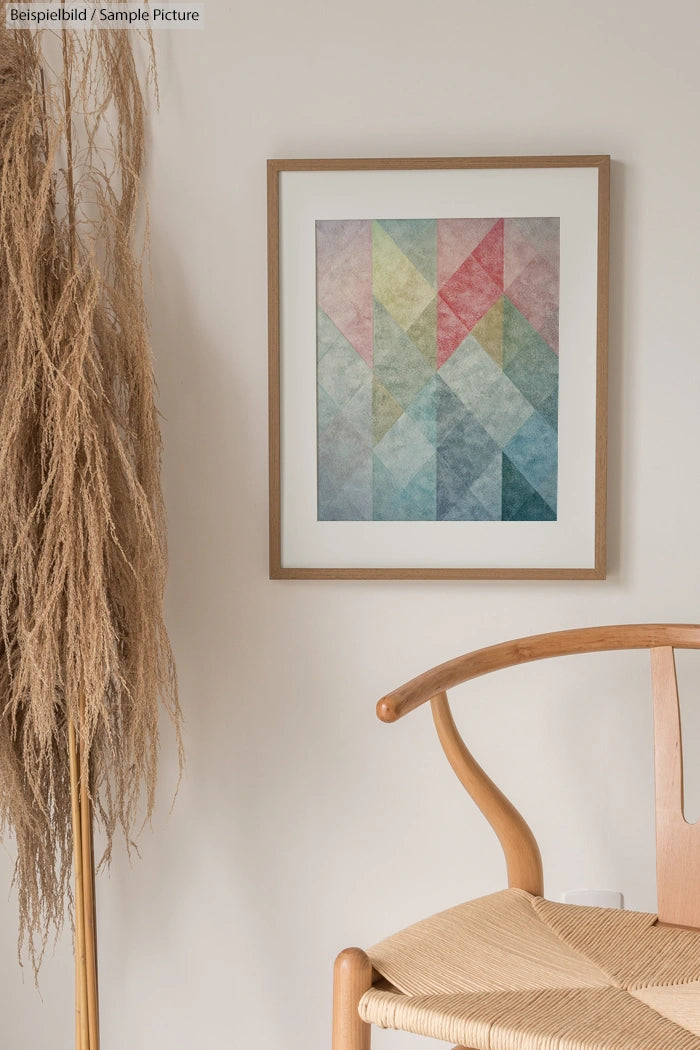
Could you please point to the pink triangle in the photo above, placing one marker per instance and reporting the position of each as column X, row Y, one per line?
column 518, row 251
column 550, row 251
column 535, row 292
column 549, row 329
column 344, row 280
column 490, row 253
column 457, row 238
column 538, row 231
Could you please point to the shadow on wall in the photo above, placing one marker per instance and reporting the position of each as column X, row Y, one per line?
column 260, row 757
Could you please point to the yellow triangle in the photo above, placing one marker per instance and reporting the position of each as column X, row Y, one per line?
column 385, row 410
column 489, row 332
column 401, row 289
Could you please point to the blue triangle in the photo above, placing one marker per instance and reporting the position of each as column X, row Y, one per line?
column 455, row 500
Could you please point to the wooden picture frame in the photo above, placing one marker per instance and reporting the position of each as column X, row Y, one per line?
column 438, row 367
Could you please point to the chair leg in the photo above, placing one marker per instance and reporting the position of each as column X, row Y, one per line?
column 352, row 977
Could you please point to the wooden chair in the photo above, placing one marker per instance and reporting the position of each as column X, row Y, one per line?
column 513, row 971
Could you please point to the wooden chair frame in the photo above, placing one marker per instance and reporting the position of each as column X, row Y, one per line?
column 677, row 841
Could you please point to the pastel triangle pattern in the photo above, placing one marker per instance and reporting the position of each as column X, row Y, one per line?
column 437, row 369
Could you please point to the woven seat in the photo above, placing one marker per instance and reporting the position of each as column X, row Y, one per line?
column 514, row 971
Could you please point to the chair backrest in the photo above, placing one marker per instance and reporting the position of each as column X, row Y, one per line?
column 677, row 841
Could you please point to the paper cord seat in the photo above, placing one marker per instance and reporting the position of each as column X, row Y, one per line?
column 514, row 971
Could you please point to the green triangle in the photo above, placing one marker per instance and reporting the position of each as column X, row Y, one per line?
column 385, row 410
column 489, row 332
column 417, row 239
column 398, row 362
column 423, row 332
column 530, row 363
column 517, row 332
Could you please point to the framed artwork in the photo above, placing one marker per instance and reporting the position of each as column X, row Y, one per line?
column 437, row 341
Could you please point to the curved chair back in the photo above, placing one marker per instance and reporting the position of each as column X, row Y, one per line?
column 677, row 841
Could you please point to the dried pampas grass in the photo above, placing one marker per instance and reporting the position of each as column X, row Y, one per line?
column 82, row 530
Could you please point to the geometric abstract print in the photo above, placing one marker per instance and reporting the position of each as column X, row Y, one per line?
column 437, row 369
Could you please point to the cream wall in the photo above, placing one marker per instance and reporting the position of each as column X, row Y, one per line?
column 304, row 825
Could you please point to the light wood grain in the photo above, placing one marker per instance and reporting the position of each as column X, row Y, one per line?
column 285, row 573
column 523, row 860
column 82, row 1020
column 273, row 367
column 89, row 911
column 445, row 676
column 601, row 458
column 677, row 841
column 352, row 977
column 275, row 169
column 276, row 165
column 87, row 1035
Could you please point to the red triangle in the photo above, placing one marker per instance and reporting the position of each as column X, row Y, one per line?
column 470, row 292
column 450, row 332
column 490, row 253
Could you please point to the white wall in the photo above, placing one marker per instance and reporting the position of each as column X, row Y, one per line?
column 304, row 825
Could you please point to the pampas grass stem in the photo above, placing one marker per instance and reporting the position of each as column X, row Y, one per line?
column 83, row 646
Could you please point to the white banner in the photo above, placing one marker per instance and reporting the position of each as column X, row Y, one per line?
column 104, row 16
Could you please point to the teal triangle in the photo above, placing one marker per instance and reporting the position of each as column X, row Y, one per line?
column 536, row 509
column 417, row 239
column 356, row 493
column 436, row 409
column 414, row 503
column 548, row 490
column 423, row 409
column 326, row 409
column 386, row 495
column 398, row 363
column 488, row 488
column 326, row 334
column 419, row 494
column 519, row 500
column 449, row 409
column 333, row 503
column 338, row 508
column 550, row 409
